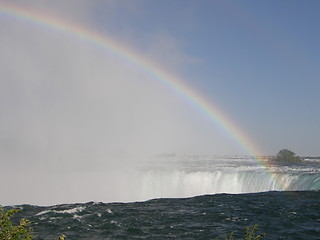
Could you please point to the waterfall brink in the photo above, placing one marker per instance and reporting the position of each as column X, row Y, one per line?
column 186, row 184
column 169, row 178
column 176, row 179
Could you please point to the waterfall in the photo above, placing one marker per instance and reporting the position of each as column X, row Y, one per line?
column 192, row 179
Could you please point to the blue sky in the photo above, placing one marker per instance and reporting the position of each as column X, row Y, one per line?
column 260, row 62
column 257, row 60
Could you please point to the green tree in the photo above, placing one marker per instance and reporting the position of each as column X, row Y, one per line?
column 8, row 231
column 22, row 231
column 287, row 156
column 249, row 234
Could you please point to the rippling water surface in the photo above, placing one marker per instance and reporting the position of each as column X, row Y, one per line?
column 282, row 215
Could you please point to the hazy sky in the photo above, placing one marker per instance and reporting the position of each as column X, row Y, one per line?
column 66, row 104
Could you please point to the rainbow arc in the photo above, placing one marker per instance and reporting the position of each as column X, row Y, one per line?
column 194, row 98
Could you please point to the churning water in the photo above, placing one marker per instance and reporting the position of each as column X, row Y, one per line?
column 196, row 198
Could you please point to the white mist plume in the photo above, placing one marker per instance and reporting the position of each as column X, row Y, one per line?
column 62, row 97
column 69, row 107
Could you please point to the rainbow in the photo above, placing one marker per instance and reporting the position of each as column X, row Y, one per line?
column 127, row 55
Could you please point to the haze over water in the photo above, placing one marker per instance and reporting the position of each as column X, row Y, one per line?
column 77, row 120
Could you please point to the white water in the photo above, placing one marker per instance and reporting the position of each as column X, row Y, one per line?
column 176, row 178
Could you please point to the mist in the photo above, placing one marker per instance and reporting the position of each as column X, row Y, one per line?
column 74, row 118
